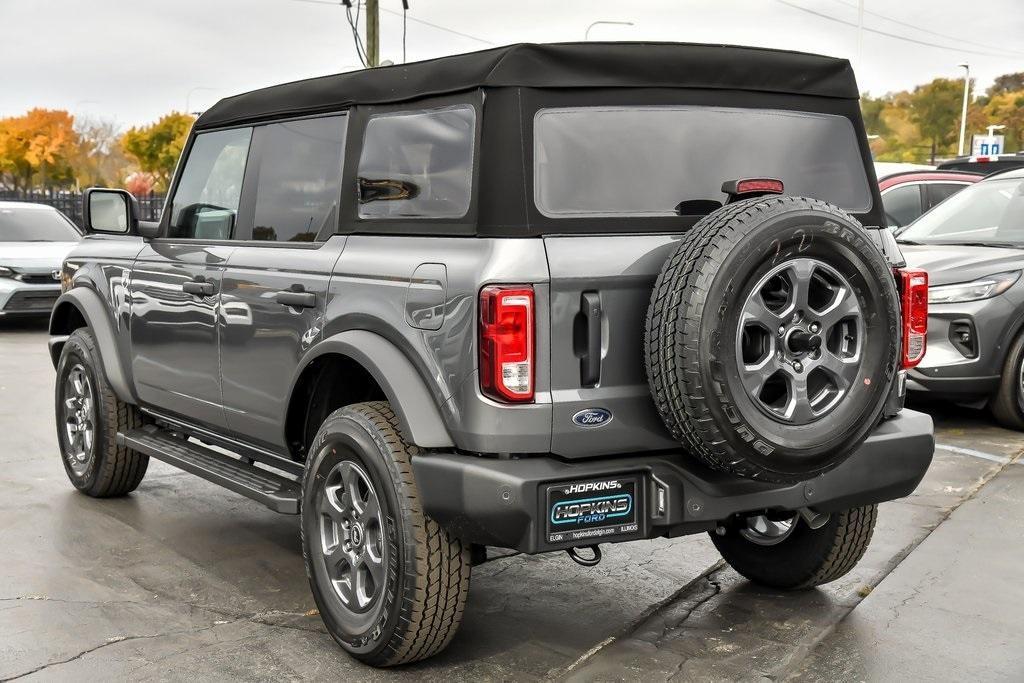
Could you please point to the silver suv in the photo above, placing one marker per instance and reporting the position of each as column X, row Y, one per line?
column 541, row 297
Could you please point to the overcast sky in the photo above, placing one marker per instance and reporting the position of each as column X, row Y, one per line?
column 133, row 60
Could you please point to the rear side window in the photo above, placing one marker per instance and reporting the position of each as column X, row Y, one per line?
column 206, row 202
column 299, row 183
column 644, row 161
column 902, row 205
column 417, row 164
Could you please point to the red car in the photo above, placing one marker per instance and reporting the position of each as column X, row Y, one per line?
column 909, row 194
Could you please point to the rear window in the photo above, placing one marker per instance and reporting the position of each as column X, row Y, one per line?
column 644, row 161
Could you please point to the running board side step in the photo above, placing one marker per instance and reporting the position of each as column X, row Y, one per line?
column 278, row 493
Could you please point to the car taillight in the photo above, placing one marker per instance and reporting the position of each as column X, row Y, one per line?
column 914, row 286
column 506, row 342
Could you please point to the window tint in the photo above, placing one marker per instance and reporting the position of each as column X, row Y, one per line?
column 417, row 164
column 299, row 183
column 644, row 161
column 902, row 205
column 940, row 191
column 206, row 201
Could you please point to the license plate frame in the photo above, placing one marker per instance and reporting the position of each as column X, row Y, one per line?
column 593, row 510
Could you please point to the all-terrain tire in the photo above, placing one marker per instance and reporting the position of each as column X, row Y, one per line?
column 690, row 338
column 1007, row 403
column 109, row 469
column 807, row 557
column 429, row 570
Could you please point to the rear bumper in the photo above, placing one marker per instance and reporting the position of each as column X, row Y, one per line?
column 502, row 503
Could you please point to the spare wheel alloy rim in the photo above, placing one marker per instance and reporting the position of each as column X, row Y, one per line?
column 799, row 341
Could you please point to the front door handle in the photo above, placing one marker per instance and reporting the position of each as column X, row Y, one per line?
column 199, row 286
column 297, row 297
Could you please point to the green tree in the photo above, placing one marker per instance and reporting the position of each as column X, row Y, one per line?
column 156, row 147
column 872, row 109
column 935, row 109
column 1007, row 83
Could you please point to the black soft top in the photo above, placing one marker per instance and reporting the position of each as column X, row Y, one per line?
column 562, row 65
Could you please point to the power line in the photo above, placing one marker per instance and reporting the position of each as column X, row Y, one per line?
column 437, row 26
column 924, row 30
column 829, row 17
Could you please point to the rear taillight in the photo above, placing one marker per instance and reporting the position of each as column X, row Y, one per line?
column 914, row 286
column 506, row 342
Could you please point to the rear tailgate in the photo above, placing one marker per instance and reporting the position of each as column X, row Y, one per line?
column 615, row 274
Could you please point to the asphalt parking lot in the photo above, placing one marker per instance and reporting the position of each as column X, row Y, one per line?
column 183, row 580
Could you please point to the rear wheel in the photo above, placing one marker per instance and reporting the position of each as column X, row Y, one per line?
column 772, row 338
column 782, row 551
column 89, row 416
column 390, row 583
column 1007, row 404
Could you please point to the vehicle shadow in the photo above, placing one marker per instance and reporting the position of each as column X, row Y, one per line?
column 26, row 324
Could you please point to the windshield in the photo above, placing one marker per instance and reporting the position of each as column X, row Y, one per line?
column 988, row 213
column 35, row 225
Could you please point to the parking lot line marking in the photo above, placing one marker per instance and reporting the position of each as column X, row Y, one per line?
column 1002, row 460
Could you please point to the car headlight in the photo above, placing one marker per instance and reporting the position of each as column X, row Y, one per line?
column 976, row 290
column 6, row 272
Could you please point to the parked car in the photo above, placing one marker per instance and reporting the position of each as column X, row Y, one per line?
column 992, row 163
column 908, row 194
column 972, row 246
column 34, row 239
column 612, row 304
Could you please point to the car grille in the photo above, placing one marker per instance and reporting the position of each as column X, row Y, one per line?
column 30, row 302
column 36, row 278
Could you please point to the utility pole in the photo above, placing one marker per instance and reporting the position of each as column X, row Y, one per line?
column 963, row 114
column 372, row 33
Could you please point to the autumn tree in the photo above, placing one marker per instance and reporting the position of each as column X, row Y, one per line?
column 1007, row 83
column 100, row 161
column 1008, row 109
column 156, row 147
column 935, row 109
column 37, row 149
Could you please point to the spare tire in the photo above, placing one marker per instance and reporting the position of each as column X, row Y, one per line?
column 772, row 338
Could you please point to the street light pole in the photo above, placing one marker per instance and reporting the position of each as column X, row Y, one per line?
column 963, row 113
column 586, row 34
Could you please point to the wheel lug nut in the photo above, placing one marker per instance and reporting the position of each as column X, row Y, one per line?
column 798, row 367
column 815, row 327
column 782, row 330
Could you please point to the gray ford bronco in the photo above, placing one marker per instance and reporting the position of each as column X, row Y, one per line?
column 540, row 297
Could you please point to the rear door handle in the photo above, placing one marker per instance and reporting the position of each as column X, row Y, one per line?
column 297, row 298
column 590, row 359
column 199, row 286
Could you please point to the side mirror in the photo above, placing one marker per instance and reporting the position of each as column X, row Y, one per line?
column 110, row 211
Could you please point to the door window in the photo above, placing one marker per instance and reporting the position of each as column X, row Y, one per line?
column 418, row 164
column 206, row 201
column 938, row 192
column 299, row 184
column 902, row 205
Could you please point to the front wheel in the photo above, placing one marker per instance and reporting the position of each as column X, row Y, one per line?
column 89, row 416
column 782, row 551
column 1007, row 404
column 390, row 583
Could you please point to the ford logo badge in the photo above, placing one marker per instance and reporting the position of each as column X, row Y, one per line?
column 592, row 417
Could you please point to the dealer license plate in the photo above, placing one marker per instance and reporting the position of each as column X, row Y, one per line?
column 592, row 510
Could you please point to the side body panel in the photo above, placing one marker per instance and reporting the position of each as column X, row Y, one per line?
column 100, row 269
column 374, row 281
column 264, row 340
column 174, row 333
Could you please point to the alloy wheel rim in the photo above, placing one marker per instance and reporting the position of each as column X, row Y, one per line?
column 352, row 538
column 79, row 419
column 799, row 341
column 764, row 531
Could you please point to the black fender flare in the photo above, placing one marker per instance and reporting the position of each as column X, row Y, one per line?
column 97, row 319
column 414, row 405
